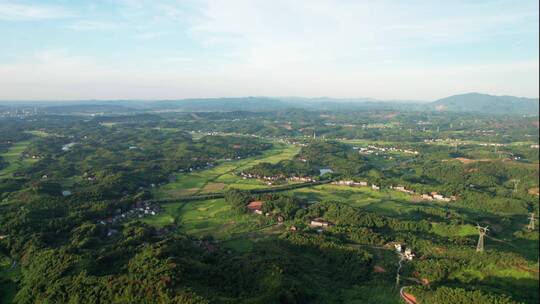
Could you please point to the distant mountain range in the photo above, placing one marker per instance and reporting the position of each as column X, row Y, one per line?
column 471, row 102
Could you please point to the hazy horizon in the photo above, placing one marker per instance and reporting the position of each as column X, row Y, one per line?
column 276, row 98
column 386, row 50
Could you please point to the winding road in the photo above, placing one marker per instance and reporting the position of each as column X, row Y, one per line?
column 407, row 297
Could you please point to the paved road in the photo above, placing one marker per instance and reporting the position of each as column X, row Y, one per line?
column 405, row 297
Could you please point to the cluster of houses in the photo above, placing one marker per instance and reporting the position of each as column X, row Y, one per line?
column 438, row 197
column 305, row 179
column 139, row 210
column 493, row 145
column 296, row 143
column 432, row 196
column 18, row 113
column 425, row 196
column 270, row 179
column 371, row 149
column 352, row 183
column 404, row 252
column 256, row 207
column 32, row 156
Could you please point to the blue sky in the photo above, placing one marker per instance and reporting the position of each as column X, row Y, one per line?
column 143, row 49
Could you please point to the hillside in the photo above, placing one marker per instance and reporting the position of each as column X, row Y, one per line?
column 488, row 104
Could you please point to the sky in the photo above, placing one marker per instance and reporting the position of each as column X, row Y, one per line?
column 151, row 49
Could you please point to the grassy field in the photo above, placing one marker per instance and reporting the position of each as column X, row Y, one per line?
column 454, row 230
column 223, row 175
column 391, row 203
column 214, row 218
column 12, row 156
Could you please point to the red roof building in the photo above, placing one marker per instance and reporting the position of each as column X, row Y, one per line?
column 255, row 206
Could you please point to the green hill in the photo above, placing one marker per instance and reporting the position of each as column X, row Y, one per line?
column 489, row 104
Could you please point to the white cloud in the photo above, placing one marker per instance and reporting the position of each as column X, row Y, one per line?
column 320, row 32
column 22, row 12
column 346, row 48
column 149, row 35
column 92, row 25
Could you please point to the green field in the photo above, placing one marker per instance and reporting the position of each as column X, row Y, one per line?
column 13, row 157
column 454, row 230
column 391, row 203
column 214, row 218
column 223, row 175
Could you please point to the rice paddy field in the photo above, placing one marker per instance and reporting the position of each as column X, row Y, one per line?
column 223, row 176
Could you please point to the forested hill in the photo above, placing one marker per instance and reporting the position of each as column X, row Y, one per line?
column 490, row 104
column 471, row 103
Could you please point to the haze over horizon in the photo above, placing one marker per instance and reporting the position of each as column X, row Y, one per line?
column 131, row 49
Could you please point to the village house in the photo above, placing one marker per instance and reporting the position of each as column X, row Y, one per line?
column 427, row 197
column 404, row 251
column 375, row 187
column 409, row 255
column 255, row 207
column 319, row 222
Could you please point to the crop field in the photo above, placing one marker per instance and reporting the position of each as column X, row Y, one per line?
column 223, row 176
column 12, row 156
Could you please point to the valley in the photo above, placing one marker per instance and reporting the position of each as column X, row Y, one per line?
column 267, row 207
